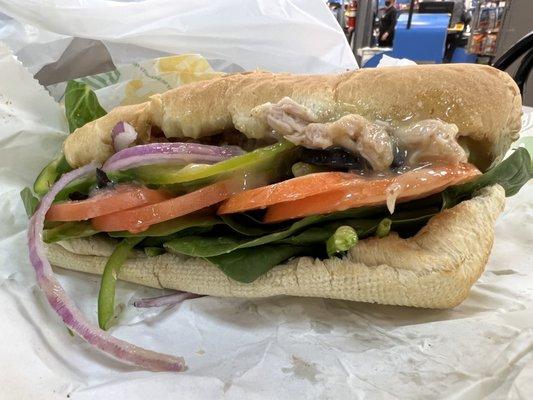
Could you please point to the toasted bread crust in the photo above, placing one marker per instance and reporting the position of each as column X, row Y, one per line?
column 482, row 101
column 433, row 269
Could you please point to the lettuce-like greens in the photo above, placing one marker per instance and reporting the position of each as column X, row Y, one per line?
column 29, row 200
column 244, row 248
column 81, row 105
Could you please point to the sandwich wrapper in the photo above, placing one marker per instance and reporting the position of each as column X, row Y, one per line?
column 282, row 347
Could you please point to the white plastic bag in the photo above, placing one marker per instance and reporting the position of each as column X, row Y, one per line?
column 300, row 36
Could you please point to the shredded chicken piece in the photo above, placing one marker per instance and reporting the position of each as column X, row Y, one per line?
column 431, row 140
column 353, row 132
column 424, row 141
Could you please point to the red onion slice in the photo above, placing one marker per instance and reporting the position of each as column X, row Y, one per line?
column 167, row 300
column 123, row 135
column 65, row 307
column 165, row 153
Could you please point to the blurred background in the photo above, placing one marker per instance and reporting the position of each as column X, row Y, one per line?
column 67, row 39
column 435, row 31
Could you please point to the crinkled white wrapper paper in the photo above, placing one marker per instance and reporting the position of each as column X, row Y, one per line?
column 277, row 348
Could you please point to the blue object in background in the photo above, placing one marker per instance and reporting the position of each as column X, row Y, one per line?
column 425, row 41
column 375, row 59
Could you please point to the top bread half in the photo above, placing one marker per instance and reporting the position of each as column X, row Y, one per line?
column 483, row 102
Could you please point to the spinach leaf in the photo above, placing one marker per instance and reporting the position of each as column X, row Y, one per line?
column 210, row 246
column 30, row 201
column 199, row 246
column 246, row 265
column 408, row 225
column 81, row 105
column 512, row 173
column 172, row 226
column 315, row 234
column 206, row 246
column 247, row 225
column 68, row 230
column 159, row 241
column 321, row 233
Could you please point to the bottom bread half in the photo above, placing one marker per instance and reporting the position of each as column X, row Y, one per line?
column 435, row 268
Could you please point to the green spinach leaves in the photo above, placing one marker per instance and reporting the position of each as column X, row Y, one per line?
column 512, row 173
column 81, row 105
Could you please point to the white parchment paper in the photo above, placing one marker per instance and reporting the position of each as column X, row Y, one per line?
column 276, row 35
column 282, row 348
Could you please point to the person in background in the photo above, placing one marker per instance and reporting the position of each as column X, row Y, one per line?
column 459, row 12
column 338, row 11
column 456, row 39
column 387, row 24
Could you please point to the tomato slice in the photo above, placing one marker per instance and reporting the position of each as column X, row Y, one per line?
column 106, row 201
column 141, row 218
column 292, row 189
column 362, row 191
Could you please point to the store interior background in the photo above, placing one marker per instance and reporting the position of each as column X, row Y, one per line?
column 439, row 31
column 481, row 33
